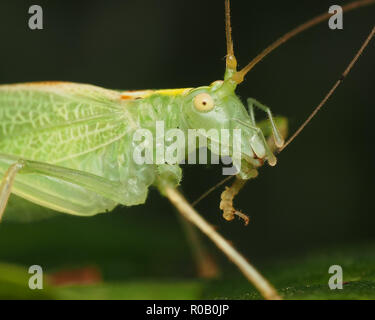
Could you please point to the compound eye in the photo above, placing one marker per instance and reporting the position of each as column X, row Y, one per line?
column 203, row 102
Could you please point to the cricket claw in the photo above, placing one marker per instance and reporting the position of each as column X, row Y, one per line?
column 226, row 203
column 243, row 216
column 229, row 216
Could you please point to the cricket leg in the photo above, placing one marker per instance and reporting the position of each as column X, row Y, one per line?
column 71, row 191
column 279, row 140
column 226, row 203
column 268, row 152
column 7, row 183
column 205, row 264
column 170, row 175
column 184, row 207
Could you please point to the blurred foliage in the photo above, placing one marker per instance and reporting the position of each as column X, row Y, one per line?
column 14, row 281
column 305, row 278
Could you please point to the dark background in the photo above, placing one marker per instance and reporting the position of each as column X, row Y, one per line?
column 320, row 195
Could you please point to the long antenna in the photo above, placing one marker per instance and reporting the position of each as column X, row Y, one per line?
column 231, row 62
column 239, row 76
column 329, row 94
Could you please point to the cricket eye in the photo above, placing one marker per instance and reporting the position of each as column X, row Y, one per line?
column 203, row 102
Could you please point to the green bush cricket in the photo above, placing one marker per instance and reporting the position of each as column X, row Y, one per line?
column 68, row 147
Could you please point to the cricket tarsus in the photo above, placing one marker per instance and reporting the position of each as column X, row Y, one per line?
column 184, row 207
column 226, row 203
column 333, row 89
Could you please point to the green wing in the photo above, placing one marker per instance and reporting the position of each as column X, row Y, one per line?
column 52, row 122
column 77, row 126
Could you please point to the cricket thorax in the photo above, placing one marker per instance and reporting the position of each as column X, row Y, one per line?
column 156, row 107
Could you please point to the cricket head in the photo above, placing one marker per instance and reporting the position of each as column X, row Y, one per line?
column 217, row 114
column 217, row 107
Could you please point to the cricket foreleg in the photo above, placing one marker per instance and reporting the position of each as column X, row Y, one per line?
column 269, row 154
column 7, row 183
column 279, row 140
column 226, row 203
